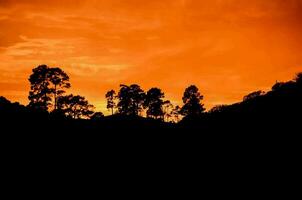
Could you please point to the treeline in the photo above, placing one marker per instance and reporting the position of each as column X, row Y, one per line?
column 48, row 97
column 48, row 94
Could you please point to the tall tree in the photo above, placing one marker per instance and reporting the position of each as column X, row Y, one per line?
column 192, row 102
column 111, row 100
column 40, row 91
column 131, row 99
column 75, row 107
column 60, row 81
column 154, row 103
column 46, row 82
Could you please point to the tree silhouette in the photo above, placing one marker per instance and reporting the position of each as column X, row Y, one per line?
column 45, row 82
column 277, row 86
column 253, row 95
column 111, row 97
column 168, row 108
column 154, row 103
column 60, row 81
column 131, row 99
column 7, row 107
column 175, row 114
column 218, row 109
column 171, row 112
column 192, row 102
column 97, row 116
column 40, row 92
column 298, row 78
column 278, row 109
column 75, row 107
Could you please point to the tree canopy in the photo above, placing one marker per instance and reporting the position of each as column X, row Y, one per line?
column 75, row 107
column 131, row 100
column 192, row 102
column 154, row 103
column 111, row 97
column 46, row 83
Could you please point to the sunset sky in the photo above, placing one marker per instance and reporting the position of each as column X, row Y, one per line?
column 228, row 48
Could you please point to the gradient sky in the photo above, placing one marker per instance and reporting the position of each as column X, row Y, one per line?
column 228, row 48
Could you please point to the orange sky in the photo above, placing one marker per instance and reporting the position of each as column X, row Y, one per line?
column 228, row 48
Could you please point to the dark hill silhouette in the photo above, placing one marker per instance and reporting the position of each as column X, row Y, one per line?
column 277, row 110
column 264, row 129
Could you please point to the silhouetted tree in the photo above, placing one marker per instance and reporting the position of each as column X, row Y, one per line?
column 4, row 103
column 253, row 95
column 9, row 109
column 44, row 82
column 284, row 85
column 131, row 99
column 218, row 109
column 111, row 97
column 40, row 92
column 175, row 114
column 171, row 112
column 60, row 81
column 298, row 78
column 167, row 108
column 75, row 107
column 154, row 103
column 97, row 116
column 192, row 102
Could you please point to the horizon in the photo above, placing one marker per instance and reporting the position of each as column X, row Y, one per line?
column 227, row 48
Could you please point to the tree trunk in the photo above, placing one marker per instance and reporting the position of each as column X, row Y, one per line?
column 55, row 98
column 45, row 97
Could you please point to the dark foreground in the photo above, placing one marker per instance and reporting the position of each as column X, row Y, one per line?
column 275, row 115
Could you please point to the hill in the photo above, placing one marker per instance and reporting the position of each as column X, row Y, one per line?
column 276, row 110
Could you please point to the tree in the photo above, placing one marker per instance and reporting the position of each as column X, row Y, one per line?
column 298, row 78
column 46, row 82
column 175, row 114
column 60, row 80
column 75, row 107
column 253, row 95
column 10, row 110
column 167, row 107
column 171, row 112
column 111, row 97
column 40, row 92
column 154, row 103
column 218, row 109
column 192, row 102
column 278, row 86
column 97, row 116
column 131, row 100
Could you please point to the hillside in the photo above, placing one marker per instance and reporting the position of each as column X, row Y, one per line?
column 278, row 109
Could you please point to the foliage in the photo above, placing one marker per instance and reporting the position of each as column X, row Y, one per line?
column 97, row 116
column 75, row 107
column 40, row 91
column 46, row 82
column 192, row 102
column 131, row 100
column 111, row 97
column 154, row 103
column 253, row 95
